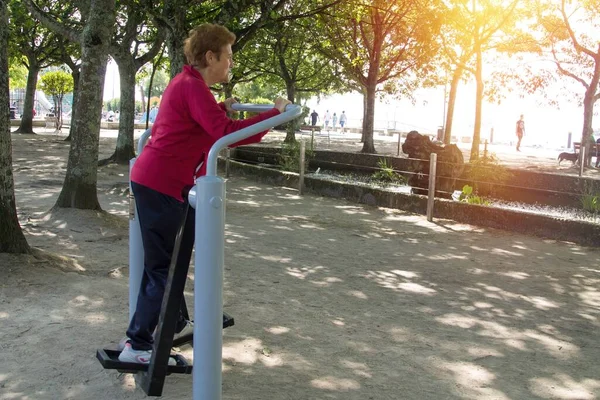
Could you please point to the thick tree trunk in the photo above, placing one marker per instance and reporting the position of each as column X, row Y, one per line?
column 26, row 125
column 79, row 188
column 12, row 239
column 368, row 119
column 178, row 32
column 451, row 103
column 478, row 108
column 124, row 150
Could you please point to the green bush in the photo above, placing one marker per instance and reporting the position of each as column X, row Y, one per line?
column 289, row 158
column 467, row 196
column 487, row 171
column 590, row 200
column 386, row 174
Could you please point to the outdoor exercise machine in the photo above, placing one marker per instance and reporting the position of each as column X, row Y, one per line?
column 208, row 198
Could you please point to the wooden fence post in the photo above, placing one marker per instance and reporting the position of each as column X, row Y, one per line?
column 431, row 192
column 301, row 163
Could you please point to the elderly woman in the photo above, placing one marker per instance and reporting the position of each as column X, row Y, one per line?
column 190, row 121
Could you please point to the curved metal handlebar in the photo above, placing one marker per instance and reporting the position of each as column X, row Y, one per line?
column 292, row 111
column 258, row 108
column 143, row 139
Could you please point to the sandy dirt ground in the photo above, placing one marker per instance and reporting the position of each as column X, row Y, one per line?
column 332, row 300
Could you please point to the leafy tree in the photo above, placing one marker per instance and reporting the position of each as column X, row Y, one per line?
column 379, row 41
column 12, row 239
column 17, row 73
column 571, row 37
column 39, row 49
column 472, row 30
column 97, row 19
column 134, row 43
column 57, row 84
column 283, row 53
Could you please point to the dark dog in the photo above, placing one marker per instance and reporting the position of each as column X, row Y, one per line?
column 573, row 157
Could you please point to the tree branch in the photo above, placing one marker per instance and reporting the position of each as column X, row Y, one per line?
column 572, row 34
column 51, row 23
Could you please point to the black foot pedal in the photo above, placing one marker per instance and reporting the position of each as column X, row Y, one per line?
column 110, row 360
column 227, row 320
column 189, row 338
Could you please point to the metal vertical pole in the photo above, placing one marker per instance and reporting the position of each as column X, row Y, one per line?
column 399, row 137
column 136, row 247
column 136, row 251
column 431, row 193
column 301, row 163
column 227, row 158
column 208, row 287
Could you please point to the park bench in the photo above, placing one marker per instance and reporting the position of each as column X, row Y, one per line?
column 310, row 128
column 595, row 148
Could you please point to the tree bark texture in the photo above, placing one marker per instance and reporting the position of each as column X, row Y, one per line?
column 75, row 74
column 478, row 107
column 369, row 117
column 451, row 103
column 12, row 239
column 26, row 125
column 178, row 32
column 588, row 111
column 80, row 184
column 124, row 150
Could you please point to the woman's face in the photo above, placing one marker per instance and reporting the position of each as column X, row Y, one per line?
column 220, row 65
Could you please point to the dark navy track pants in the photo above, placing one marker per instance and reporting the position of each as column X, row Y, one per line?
column 160, row 217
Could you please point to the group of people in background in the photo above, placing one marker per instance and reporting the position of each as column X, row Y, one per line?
column 328, row 118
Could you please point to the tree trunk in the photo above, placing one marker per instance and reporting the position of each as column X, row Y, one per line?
column 26, row 125
column 290, row 135
column 588, row 112
column 58, row 112
column 124, row 150
column 12, row 239
column 362, row 130
column 75, row 74
column 178, row 32
column 79, row 188
column 478, row 107
column 368, row 119
column 143, row 99
column 587, row 131
column 451, row 103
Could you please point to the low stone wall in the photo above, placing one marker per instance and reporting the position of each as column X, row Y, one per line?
column 583, row 233
column 524, row 186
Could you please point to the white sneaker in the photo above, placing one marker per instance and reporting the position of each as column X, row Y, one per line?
column 122, row 343
column 188, row 329
column 139, row 356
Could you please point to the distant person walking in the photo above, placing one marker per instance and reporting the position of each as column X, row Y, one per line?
column 327, row 119
column 343, row 120
column 334, row 120
column 520, row 130
column 314, row 116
